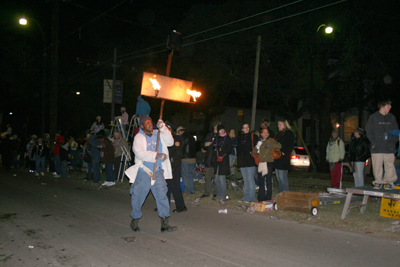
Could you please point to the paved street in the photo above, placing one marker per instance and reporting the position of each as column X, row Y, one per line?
column 48, row 222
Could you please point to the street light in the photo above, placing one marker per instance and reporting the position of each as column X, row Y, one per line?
column 328, row 30
column 23, row 21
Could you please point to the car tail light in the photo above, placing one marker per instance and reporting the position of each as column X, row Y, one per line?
column 295, row 157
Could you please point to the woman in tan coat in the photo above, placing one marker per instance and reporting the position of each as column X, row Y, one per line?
column 263, row 148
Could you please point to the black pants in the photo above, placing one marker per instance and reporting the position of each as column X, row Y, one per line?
column 174, row 186
column 117, row 163
column 262, row 180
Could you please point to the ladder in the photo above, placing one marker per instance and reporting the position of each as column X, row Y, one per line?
column 125, row 162
column 117, row 125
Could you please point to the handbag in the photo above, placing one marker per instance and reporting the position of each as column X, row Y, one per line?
column 220, row 158
column 275, row 153
column 256, row 157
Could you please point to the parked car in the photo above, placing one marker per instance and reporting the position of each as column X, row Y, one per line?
column 299, row 158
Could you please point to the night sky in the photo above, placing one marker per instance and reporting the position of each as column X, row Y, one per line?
column 88, row 32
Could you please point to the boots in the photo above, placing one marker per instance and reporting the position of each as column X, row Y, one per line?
column 135, row 225
column 165, row 227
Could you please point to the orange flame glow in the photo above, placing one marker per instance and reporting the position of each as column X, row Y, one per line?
column 193, row 93
column 155, row 84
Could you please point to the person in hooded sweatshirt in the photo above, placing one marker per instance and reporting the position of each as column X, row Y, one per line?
column 142, row 107
column 97, row 125
column 383, row 144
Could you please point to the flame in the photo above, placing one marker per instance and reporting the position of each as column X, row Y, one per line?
column 155, row 84
column 193, row 93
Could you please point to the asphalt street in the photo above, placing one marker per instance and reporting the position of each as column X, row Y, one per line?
column 53, row 222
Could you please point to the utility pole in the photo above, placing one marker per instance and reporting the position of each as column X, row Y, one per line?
column 255, row 88
column 113, row 86
column 54, row 68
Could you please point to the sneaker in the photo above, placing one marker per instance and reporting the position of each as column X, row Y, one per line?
column 105, row 183
column 54, row 173
column 390, row 187
column 57, row 176
column 42, row 173
column 378, row 186
column 111, row 183
column 37, row 174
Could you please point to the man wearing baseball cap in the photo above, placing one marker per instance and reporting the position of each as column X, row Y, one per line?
column 140, row 175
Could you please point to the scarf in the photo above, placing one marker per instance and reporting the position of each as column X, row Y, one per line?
column 263, row 168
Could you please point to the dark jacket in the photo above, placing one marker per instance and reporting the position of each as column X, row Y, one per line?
column 222, row 147
column 209, row 149
column 108, row 150
column 188, row 145
column 286, row 138
column 175, row 153
column 244, row 147
column 40, row 151
column 359, row 149
column 377, row 128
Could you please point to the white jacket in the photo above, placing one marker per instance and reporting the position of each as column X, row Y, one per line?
column 139, row 147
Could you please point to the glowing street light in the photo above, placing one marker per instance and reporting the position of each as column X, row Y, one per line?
column 328, row 29
column 78, row 93
column 23, row 21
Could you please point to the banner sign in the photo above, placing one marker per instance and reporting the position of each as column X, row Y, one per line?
column 107, row 95
column 159, row 86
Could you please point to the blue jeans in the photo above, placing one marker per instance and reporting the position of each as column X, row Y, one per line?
column 140, row 189
column 188, row 174
column 249, row 183
column 358, row 173
column 220, row 182
column 57, row 164
column 110, row 172
column 89, row 170
column 283, row 181
column 96, row 170
column 64, row 167
column 40, row 164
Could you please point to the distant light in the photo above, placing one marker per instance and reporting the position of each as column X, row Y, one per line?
column 78, row 93
column 337, row 125
column 10, row 113
column 328, row 30
column 23, row 21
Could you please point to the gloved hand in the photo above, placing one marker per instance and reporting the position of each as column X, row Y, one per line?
column 340, row 161
column 160, row 124
column 161, row 156
column 259, row 143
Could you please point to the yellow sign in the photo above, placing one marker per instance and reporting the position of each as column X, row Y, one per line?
column 159, row 86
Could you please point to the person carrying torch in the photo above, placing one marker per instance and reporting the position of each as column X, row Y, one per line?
column 141, row 174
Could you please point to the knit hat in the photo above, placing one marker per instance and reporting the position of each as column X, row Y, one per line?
column 123, row 109
column 144, row 118
column 334, row 131
column 170, row 125
column 215, row 123
column 220, row 126
column 360, row 130
column 180, row 128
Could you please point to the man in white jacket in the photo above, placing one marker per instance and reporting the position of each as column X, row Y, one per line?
column 140, row 174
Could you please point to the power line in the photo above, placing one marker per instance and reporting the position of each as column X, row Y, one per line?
column 83, row 7
column 241, row 30
column 265, row 23
column 91, row 21
column 229, row 33
column 223, row 25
